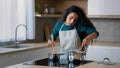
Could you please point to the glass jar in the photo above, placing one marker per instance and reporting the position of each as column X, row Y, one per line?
column 70, row 57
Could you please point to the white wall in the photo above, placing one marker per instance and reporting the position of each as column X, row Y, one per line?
column 103, row 7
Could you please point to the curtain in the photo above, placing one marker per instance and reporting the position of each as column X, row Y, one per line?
column 13, row 13
column 30, row 19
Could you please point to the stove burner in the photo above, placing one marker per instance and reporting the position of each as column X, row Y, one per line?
column 46, row 62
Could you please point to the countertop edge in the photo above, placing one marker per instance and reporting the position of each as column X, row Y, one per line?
column 89, row 65
column 116, row 44
column 44, row 45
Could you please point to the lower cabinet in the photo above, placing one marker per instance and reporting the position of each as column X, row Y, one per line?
column 98, row 53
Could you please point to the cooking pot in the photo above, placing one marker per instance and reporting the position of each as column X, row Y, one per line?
column 53, row 57
column 75, row 56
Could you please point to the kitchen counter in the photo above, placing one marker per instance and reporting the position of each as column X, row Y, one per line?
column 31, row 47
column 36, row 50
column 89, row 65
column 30, row 51
column 44, row 45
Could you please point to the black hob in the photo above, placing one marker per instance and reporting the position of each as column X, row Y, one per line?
column 46, row 62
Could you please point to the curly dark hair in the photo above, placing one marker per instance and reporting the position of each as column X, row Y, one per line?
column 82, row 18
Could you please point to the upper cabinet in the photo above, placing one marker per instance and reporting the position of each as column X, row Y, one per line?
column 103, row 7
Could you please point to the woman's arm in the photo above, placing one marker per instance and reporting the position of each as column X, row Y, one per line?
column 91, row 34
column 87, row 40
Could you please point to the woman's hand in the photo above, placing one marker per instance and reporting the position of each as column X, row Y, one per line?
column 87, row 40
column 51, row 43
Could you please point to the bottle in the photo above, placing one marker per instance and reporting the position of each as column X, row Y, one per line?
column 46, row 9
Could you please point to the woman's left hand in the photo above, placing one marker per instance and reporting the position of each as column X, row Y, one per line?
column 85, row 42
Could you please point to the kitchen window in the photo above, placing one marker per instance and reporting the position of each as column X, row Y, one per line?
column 13, row 13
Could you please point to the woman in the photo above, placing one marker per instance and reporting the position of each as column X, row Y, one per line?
column 75, row 30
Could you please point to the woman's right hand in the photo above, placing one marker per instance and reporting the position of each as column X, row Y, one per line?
column 51, row 43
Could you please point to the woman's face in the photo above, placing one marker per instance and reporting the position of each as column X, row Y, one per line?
column 71, row 19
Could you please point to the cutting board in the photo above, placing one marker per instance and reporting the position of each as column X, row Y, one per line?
column 47, row 31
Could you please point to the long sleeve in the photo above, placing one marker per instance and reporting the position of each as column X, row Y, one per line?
column 89, row 30
column 83, row 31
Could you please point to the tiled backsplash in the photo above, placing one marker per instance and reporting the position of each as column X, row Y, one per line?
column 109, row 29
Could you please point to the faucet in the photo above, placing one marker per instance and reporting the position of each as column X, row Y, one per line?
column 16, row 41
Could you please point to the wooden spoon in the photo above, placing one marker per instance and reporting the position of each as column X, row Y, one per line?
column 53, row 49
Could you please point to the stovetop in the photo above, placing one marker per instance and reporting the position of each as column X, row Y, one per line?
column 46, row 62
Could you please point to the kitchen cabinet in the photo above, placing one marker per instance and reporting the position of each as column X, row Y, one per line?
column 103, row 7
column 115, row 54
column 98, row 53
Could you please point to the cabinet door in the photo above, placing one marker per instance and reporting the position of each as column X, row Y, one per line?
column 98, row 53
column 103, row 7
column 115, row 54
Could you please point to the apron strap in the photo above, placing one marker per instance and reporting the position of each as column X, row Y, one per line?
column 61, row 26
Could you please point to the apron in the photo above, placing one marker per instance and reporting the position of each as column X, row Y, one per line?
column 69, row 40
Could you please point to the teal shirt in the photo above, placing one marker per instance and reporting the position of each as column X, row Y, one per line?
column 82, row 30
